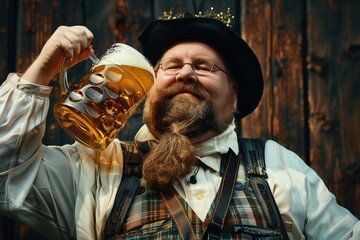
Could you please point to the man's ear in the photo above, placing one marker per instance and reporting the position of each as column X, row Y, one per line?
column 235, row 95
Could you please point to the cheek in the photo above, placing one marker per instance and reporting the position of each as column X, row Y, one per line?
column 225, row 98
column 162, row 82
column 218, row 90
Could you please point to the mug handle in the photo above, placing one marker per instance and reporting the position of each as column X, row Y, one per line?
column 63, row 79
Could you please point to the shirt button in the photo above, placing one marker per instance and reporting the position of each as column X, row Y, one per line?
column 200, row 195
column 239, row 186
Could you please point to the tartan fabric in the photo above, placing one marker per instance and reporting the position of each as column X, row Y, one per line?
column 148, row 217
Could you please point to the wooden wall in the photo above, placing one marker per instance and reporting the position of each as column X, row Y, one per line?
column 309, row 52
column 310, row 55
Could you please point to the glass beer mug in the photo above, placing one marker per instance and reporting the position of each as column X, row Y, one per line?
column 96, row 108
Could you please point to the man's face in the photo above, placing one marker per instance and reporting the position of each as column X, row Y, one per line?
column 213, row 87
column 184, row 107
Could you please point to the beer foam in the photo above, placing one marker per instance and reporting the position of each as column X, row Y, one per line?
column 123, row 54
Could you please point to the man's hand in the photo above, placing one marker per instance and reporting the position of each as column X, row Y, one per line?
column 71, row 43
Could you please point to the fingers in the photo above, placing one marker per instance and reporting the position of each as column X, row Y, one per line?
column 73, row 43
column 74, row 40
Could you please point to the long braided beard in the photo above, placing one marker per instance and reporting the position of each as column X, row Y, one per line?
column 176, row 119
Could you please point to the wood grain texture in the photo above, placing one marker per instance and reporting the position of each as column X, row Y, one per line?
column 277, row 40
column 7, row 36
column 334, row 100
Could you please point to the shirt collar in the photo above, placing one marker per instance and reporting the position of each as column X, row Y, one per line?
column 221, row 143
column 209, row 150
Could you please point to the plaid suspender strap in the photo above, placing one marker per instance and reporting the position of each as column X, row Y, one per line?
column 224, row 196
column 126, row 191
column 253, row 150
column 178, row 214
column 123, row 199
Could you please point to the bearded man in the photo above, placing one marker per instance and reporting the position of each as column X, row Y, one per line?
column 195, row 181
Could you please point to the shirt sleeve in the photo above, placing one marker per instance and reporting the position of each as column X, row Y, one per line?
column 309, row 209
column 63, row 192
column 26, row 174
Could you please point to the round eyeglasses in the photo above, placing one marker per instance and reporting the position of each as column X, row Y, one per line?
column 172, row 66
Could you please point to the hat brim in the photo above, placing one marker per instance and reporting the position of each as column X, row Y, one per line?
column 241, row 61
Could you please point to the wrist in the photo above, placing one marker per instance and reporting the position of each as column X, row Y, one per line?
column 38, row 74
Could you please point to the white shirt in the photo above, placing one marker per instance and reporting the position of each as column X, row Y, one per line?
column 68, row 191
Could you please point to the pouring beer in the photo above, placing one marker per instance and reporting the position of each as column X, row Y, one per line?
column 95, row 109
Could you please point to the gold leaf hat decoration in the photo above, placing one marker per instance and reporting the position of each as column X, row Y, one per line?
column 226, row 17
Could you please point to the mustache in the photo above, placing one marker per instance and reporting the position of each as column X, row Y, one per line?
column 185, row 87
column 163, row 112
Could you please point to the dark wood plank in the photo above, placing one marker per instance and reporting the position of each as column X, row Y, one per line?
column 334, row 100
column 259, row 123
column 274, row 30
column 7, row 12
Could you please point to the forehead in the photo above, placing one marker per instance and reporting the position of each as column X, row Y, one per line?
column 192, row 50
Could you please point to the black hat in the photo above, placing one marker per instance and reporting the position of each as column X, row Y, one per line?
column 241, row 61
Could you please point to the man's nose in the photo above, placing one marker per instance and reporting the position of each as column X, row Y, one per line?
column 187, row 71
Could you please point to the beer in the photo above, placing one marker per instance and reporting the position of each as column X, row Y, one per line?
column 95, row 110
column 98, row 106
